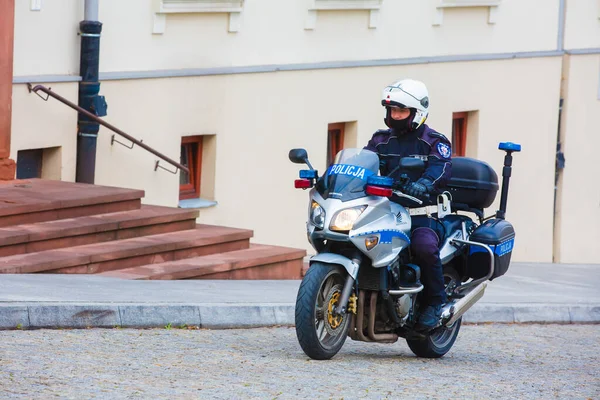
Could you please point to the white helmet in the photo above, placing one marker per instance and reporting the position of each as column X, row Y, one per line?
column 408, row 93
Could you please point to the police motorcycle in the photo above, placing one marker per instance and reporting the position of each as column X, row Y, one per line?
column 362, row 283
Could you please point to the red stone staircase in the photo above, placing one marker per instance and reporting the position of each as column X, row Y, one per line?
column 64, row 227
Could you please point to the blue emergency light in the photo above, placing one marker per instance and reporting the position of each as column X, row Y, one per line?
column 382, row 181
column 509, row 146
column 309, row 174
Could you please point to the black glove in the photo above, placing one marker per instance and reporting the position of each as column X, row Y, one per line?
column 419, row 189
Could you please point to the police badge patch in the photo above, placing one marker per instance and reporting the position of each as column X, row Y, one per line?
column 444, row 150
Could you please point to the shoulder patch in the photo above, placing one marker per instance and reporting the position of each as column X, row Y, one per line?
column 444, row 150
column 382, row 131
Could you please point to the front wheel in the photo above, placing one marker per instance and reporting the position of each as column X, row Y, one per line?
column 321, row 333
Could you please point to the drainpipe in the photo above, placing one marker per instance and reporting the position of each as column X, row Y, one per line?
column 560, row 134
column 89, row 87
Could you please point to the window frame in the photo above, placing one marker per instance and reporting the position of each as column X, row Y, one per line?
column 192, row 190
column 163, row 7
column 492, row 5
column 459, row 133
column 337, row 144
column 373, row 6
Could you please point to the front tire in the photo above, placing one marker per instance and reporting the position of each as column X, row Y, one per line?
column 320, row 333
column 440, row 340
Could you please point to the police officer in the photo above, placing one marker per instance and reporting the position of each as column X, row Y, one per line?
column 407, row 106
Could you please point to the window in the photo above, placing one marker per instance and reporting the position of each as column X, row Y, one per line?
column 39, row 163
column 459, row 133
column 29, row 163
column 335, row 141
column 191, row 157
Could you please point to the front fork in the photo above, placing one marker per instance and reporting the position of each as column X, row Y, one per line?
column 342, row 306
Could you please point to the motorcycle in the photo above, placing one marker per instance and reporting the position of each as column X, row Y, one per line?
column 362, row 282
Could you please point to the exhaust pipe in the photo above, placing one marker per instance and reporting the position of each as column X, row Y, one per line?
column 462, row 306
column 378, row 337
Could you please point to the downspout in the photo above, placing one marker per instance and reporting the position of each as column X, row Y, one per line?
column 560, row 158
column 89, row 87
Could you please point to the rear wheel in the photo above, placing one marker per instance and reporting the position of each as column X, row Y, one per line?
column 440, row 340
column 321, row 333
column 437, row 342
column 451, row 280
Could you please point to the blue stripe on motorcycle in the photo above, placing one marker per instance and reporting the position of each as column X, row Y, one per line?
column 499, row 249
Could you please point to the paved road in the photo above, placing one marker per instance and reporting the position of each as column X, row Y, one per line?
column 488, row 361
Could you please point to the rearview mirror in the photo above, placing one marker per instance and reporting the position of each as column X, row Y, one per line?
column 412, row 164
column 298, row 156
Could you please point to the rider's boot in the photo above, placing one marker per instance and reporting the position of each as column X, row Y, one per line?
column 430, row 318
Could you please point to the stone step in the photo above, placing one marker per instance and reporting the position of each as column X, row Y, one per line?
column 148, row 220
column 256, row 262
column 119, row 254
column 37, row 200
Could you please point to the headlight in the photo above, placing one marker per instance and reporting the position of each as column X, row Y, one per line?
column 344, row 219
column 317, row 215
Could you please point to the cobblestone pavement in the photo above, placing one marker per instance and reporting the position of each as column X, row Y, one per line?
column 488, row 361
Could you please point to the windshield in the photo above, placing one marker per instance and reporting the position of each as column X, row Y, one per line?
column 346, row 178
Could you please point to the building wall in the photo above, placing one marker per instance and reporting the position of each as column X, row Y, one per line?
column 273, row 32
column 38, row 124
column 253, row 177
column 578, row 218
column 257, row 117
column 582, row 24
column 46, row 41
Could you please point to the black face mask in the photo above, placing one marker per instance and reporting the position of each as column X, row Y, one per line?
column 400, row 126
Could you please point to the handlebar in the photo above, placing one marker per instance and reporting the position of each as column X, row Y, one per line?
column 399, row 184
column 400, row 194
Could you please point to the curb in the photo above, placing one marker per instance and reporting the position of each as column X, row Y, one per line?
column 232, row 315
column 130, row 315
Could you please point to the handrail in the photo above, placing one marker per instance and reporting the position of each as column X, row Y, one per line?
column 88, row 114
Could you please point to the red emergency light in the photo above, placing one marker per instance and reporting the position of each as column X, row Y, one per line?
column 303, row 183
column 378, row 191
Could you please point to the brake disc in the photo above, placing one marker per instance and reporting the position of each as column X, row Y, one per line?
column 333, row 322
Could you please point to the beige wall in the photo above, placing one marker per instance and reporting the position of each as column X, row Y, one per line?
column 582, row 24
column 272, row 32
column 46, row 42
column 254, row 178
column 37, row 124
column 257, row 118
column 511, row 115
column 579, row 205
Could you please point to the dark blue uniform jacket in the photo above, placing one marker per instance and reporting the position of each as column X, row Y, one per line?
column 424, row 143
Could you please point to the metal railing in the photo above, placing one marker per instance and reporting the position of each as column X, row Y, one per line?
column 134, row 141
